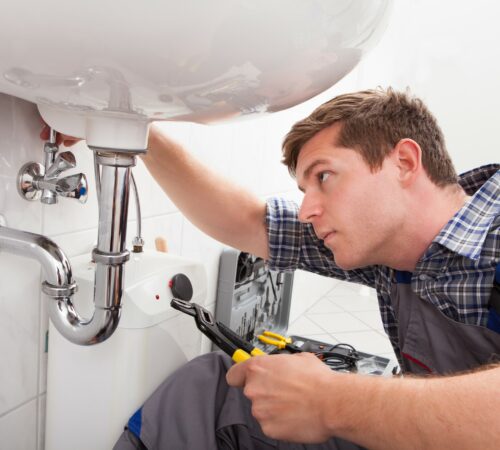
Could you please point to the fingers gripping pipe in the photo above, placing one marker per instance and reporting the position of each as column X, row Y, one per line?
column 110, row 256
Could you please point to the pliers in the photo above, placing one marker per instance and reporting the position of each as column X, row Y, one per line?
column 279, row 341
column 225, row 338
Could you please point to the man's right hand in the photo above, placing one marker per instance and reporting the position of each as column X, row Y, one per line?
column 288, row 395
column 63, row 139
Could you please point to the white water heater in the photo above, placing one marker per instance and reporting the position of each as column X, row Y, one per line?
column 93, row 390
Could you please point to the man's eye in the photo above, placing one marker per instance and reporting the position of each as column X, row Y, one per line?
column 323, row 176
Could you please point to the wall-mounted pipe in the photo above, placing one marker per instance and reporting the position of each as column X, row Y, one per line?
column 55, row 264
column 110, row 256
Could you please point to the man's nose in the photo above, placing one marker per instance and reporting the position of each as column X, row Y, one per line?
column 309, row 209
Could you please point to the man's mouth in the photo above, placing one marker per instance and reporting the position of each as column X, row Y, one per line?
column 325, row 236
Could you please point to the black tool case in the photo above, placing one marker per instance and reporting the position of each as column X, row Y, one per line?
column 252, row 299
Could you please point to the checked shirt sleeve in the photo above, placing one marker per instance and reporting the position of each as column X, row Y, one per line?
column 294, row 245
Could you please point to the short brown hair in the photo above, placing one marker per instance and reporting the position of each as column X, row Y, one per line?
column 373, row 122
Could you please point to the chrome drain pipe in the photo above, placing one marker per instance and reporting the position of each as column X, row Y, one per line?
column 55, row 264
column 110, row 256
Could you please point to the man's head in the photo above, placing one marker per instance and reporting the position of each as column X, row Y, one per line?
column 366, row 161
column 373, row 122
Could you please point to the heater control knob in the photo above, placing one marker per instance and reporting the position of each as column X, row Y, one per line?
column 181, row 287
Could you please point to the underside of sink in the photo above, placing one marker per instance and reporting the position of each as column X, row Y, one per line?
column 191, row 60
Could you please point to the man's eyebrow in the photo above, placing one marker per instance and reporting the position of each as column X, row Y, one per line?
column 310, row 168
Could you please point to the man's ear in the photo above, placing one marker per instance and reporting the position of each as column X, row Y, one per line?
column 407, row 156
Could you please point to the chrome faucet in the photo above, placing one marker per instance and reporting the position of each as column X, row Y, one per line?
column 37, row 182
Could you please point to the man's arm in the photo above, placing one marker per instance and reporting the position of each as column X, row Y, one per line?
column 458, row 412
column 218, row 207
column 296, row 398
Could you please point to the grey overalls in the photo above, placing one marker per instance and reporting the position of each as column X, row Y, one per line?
column 431, row 342
column 194, row 409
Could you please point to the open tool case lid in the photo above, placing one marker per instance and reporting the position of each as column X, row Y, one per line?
column 250, row 297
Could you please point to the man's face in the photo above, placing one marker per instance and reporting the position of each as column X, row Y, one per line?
column 355, row 211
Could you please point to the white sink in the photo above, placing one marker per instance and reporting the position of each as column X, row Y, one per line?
column 107, row 64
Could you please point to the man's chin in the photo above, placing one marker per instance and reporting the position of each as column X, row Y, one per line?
column 348, row 263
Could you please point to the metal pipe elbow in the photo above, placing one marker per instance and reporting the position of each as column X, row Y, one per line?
column 60, row 287
column 97, row 329
column 55, row 264
column 108, row 291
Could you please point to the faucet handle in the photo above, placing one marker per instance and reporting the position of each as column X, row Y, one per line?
column 73, row 186
column 63, row 161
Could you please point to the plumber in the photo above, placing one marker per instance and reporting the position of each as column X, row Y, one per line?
column 384, row 207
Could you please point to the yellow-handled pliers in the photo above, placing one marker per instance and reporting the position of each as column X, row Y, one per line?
column 227, row 340
column 240, row 342
column 279, row 341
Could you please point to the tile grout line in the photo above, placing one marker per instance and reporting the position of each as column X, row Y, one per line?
column 318, row 325
column 344, row 312
column 19, row 406
column 41, row 299
column 84, row 230
column 370, row 328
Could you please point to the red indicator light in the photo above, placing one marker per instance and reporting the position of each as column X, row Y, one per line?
column 170, row 283
column 157, row 297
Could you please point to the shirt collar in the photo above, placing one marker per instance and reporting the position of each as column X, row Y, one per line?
column 466, row 232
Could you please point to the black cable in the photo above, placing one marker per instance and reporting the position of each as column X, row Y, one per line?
column 343, row 345
column 337, row 360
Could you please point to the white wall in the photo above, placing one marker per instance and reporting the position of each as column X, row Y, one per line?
column 445, row 51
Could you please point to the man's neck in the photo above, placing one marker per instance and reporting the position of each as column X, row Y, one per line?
column 433, row 210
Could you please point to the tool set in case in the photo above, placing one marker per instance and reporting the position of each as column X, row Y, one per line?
column 253, row 301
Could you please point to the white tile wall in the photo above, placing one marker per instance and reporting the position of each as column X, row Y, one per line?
column 19, row 328
column 347, row 313
column 307, row 288
column 18, row 429
column 200, row 247
column 19, row 283
column 453, row 70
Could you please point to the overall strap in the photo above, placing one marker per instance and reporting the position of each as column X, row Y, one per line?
column 494, row 305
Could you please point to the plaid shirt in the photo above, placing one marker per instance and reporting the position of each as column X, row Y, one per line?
column 455, row 273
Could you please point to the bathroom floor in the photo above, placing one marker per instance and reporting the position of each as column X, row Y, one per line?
column 348, row 313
